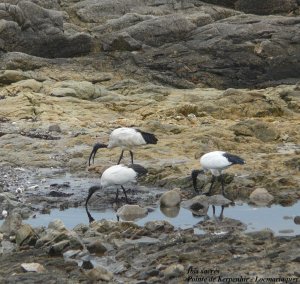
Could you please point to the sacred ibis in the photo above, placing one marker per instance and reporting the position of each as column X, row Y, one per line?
column 127, row 138
column 4, row 213
column 117, row 175
column 216, row 162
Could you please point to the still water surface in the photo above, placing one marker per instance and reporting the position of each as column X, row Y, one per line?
column 277, row 218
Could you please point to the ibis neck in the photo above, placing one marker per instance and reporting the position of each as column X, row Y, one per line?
column 91, row 192
column 94, row 151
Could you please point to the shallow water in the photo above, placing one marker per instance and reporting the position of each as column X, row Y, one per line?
column 276, row 218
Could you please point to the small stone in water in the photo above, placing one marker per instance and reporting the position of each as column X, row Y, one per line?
column 297, row 220
column 87, row 264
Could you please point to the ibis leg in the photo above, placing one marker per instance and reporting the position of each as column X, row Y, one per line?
column 117, row 195
column 131, row 155
column 222, row 182
column 121, row 156
column 125, row 193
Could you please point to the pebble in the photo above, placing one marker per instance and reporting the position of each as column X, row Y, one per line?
column 33, row 267
column 99, row 273
column 297, row 220
column 174, row 270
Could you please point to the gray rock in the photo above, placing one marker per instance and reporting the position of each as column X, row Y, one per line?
column 96, row 247
column 87, row 264
column 120, row 41
column 9, row 201
column 261, row 196
column 57, row 225
column 207, row 49
column 11, row 224
column 54, row 128
column 254, row 128
column 32, row 29
column 63, row 92
column 174, row 270
column 25, row 235
column 158, row 31
column 71, row 253
column 261, row 235
column 266, row 7
column 225, row 3
column 143, row 241
column 19, row 60
column 222, row 226
column 170, row 198
column 159, row 226
column 131, row 212
column 99, row 273
column 258, row 7
column 7, row 247
column 59, row 248
column 11, row 76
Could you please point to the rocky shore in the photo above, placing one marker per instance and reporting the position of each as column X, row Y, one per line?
column 201, row 77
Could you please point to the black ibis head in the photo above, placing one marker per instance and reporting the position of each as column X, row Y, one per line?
column 94, row 151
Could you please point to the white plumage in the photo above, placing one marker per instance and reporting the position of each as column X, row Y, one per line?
column 4, row 213
column 216, row 162
column 117, row 175
column 126, row 138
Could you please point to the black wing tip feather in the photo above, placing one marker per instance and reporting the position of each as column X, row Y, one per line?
column 140, row 170
column 236, row 160
column 148, row 137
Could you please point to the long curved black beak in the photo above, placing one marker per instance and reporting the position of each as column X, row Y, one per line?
column 92, row 190
column 194, row 176
column 94, row 151
column 91, row 219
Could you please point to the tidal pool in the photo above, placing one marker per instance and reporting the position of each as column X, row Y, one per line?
column 277, row 218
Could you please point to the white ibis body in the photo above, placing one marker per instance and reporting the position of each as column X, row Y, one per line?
column 216, row 162
column 4, row 213
column 118, row 175
column 127, row 138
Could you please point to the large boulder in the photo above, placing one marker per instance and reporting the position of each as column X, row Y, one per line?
column 266, row 7
column 240, row 51
column 27, row 27
column 257, row 129
column 170, row 198
column 258, row 7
